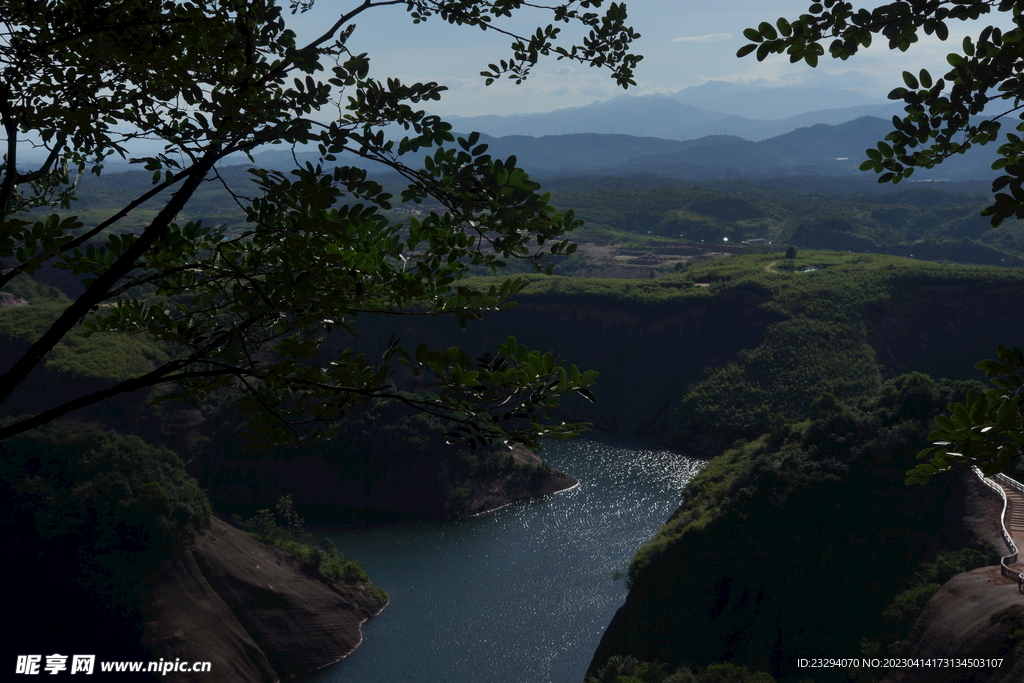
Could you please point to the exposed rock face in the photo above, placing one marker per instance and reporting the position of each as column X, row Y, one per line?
column 518, row 486
column 975, row 615
column 250, row 610
column 410, row 487
column 8, row 300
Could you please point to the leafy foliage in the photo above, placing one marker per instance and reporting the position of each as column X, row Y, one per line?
column 35, row 292
column 284, row 529
column 986, row 430
column 940, row 113
column 251, row 308
column 899, row 616
column 908, row 221
column 629, row 669
column 108, row 355
column 106, row 509
column 817, row 509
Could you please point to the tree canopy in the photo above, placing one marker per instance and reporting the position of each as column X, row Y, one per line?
column 251, row 309
column 944, row 116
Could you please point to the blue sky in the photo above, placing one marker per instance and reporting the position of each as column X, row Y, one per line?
column 684, row 43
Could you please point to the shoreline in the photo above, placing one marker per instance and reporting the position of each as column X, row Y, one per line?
column 523, row 500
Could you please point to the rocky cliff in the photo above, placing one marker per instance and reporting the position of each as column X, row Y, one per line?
column 793, row 545
column 250, row 610
column 977, row 615
column 518, row 485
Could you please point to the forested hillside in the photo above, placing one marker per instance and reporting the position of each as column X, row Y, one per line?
column 920, row 221
column 792, row 365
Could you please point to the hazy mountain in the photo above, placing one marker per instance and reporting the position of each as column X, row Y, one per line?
column 751, row 129
column 653, row 115
column 671, row 119
column 766, row 104
column 815, row 150
column 697, row 95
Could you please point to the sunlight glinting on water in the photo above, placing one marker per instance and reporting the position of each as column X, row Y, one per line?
column 519, row 595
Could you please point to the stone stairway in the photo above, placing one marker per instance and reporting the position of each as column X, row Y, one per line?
column 1014, row 519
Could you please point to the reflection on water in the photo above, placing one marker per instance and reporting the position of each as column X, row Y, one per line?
column 522, row 594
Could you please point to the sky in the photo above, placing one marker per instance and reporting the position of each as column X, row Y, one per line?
column 684, row 43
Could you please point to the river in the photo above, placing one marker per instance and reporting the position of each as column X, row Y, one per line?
column 521, row 594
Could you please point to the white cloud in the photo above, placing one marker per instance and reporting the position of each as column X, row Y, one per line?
column 709, row 38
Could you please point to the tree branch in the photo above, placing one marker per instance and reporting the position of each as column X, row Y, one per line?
column 99, row 288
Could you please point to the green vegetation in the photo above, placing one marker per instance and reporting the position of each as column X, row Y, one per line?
column 939, row 124
column 104, row 355
column 631, row 670
column 756, row 342
column 101, row 509
column 899, row 616
column 35, row 292
column 780, row 534
column 923, row 222
column 986, row 430
column 283, row 528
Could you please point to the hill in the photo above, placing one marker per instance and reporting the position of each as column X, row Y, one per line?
column 709, row 109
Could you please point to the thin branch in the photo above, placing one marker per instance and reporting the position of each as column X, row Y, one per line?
column 99, row 288
column 287, row 64
column 153, row 378
column 10, row 125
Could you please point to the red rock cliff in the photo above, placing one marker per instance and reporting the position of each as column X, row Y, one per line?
column 250, row 610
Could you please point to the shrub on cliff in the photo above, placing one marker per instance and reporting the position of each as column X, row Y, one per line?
column 631, row 670
column 106, row 507
column 899, row 616
column 282, row 527
column 781, row 534
column 89, row 518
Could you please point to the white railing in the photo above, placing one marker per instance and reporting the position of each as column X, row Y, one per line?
column 1007, row 481
column 1007, row 560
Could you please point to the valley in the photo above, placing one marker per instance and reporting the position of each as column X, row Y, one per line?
column 774, row 336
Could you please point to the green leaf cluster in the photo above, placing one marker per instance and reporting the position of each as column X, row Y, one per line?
column 942, row 114
column 108, row 509
column 986, row 430
column 250, row 308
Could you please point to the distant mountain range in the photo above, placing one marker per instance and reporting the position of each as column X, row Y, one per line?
column 818, row 150
column 715, row 108
column 712, row 131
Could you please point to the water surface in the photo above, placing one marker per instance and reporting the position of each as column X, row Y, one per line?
column 519, row 595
